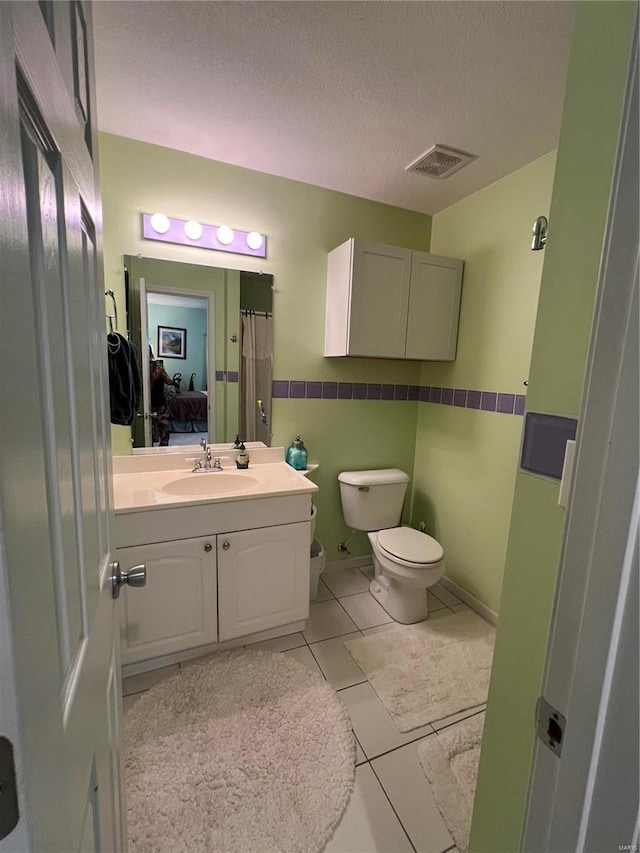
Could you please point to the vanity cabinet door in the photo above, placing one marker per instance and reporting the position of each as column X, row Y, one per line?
column 177, row 608
column 263, row 579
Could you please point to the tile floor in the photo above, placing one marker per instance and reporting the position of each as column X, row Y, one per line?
column 392, row 808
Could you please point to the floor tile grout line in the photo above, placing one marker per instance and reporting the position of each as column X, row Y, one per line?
column 393, row 809
column 368, row 626
column 335, row 636
column 462, row 719
column 402, row 745
column 136, row 693
column 351, row 594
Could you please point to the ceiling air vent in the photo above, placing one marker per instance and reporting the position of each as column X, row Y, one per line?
column 440, row 162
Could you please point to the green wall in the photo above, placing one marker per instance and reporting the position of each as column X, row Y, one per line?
column 302, row 223
column 466, row 460
column 596, row 80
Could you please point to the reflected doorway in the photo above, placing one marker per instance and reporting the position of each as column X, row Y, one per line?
column 177, row 336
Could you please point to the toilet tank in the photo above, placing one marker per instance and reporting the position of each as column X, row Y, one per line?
column 372, row 500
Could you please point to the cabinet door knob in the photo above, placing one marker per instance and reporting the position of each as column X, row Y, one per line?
column 226, row 546
column 137, row 576
column 208, row 546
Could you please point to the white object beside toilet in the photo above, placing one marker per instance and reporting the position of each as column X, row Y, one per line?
column 406, row 561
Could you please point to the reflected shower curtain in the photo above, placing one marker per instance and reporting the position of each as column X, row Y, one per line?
column 257, row 348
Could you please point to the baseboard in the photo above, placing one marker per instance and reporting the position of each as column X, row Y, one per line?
column 350, row 563
column 473, row 602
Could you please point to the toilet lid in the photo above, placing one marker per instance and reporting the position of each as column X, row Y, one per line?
column 411, row 545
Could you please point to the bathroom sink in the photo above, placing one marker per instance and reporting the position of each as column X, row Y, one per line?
column 211, row 484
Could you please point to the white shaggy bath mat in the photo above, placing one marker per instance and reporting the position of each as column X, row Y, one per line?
column 427, row 671
column 243, row 751
column 450, row 761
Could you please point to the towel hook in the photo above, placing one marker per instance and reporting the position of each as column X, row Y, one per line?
column 112, row 318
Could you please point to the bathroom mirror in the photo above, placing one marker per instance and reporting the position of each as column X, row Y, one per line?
column 205, row 337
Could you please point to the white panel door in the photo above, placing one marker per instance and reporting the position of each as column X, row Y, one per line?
column 379, row 300
column 177, row 608
column 59, row 666
column 263, row 579
column 434, row 307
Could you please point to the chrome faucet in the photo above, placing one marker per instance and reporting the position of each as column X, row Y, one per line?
column 208, row 463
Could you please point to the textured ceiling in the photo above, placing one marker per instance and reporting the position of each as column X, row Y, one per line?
column 343, row 95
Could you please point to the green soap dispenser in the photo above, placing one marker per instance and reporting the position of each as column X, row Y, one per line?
column 297, row 454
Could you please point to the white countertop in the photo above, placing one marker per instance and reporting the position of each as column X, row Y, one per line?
column 143, row 489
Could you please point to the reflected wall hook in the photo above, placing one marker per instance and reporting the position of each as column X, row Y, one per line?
column 539, row 231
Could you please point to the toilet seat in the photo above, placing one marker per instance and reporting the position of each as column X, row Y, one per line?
column 410, row 547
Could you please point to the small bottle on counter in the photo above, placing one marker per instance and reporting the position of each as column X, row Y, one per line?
column 297, row 454
column 242, row 459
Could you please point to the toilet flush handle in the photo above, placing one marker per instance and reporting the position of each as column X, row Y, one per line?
column 363, row 488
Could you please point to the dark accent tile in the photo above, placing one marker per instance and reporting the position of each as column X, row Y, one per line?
column 359, row 390
column 436, row 395
column 314, row 390
column 345, row 390
column 414, row 392
column 489, row 400
column 386, row 392
column 505, row 403
column 544, row 443
column 329, row 390
column 401, row 392
column 280, row 388
column 297, row 388
column 473, row 399
column 233, row 376
column 447, row 397
column 373, row 391
column 219, row 375
column 460, row 398
column 519, row 406
column 425, row 393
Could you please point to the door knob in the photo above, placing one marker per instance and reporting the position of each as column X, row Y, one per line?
column 226, row 546
column 136, row 576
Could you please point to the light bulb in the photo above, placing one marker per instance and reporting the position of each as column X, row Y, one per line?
column 160, row 223
column 225, row 235
column 193, row 229
column 254, row 240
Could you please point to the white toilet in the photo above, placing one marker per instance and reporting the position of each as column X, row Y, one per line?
column 406, row 561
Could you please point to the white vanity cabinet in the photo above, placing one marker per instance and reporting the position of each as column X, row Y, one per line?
column 389, row 302
column 260, row 584
column 249, row 575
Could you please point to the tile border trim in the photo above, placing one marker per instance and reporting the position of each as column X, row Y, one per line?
column 486, row 401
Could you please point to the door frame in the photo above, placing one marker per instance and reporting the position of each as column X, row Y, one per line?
column 598, row 557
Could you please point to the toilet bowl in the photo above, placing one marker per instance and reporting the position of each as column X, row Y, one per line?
column 406, row 564
column 406, row 561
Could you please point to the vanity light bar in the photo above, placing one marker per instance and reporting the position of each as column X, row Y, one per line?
column 219, row 238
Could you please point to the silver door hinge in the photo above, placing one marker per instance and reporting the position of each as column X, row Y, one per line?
column 550, row 726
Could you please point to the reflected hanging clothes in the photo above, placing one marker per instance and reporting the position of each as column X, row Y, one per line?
column 257, row 348
column 124, row 379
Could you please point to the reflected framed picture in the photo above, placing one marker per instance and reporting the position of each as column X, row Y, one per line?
column 172, row 342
